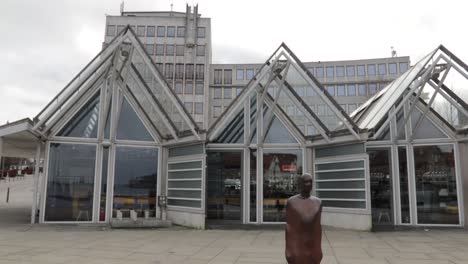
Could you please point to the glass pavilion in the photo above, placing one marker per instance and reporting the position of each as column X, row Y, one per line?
column 117, row 137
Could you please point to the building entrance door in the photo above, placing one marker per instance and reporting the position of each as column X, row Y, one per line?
column 224, row 187
column 381, row 186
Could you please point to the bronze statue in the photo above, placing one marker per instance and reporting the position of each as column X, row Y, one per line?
column 303, row 228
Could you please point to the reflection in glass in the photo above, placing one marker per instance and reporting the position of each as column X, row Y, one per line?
column 277, row 133
column 280, row 171
column 130, row 126
column 84, row 123
column 224, row 185
column 436, row 185
column 253, row 186
column 135, row 177
column 404, row 195
column 70, row 182
column 381, row 186
column 105, row 165
column 425, row 129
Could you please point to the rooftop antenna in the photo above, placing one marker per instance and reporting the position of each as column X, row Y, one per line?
column 394, row 54
column 122, row 8
column 172, row 6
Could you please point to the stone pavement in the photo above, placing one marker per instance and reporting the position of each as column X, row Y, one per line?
column 22, row 243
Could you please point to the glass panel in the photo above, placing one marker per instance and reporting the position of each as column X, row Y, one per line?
column 277, row 133
column 436, row 185
column 339, row 150
column 184, row 194
column 357, row 174
column 185, row 203
column 84, row 124
column 224, row 183
column 426, row 129
column 234, row 131
column 341, row 194
column 280, row 171
column 70, row 182
column 344, row 204
column 253, row 186
column 135, row 181
column 184, row 174
column 186, row 150
column 404, row 195
column 340, row 165
column 401, row 131
column 185, row 184
column 185, row 165
column 105, row 165
column 380, row 164
column 342, row 185
column 129, row 126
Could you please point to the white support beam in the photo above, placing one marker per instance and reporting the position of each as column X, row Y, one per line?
column 451, row 100
column 166, row 89
column 454, row 65
column 37, row 162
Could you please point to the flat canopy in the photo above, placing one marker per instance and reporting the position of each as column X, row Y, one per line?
column 17, row 139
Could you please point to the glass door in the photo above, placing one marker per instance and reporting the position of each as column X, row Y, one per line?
column 224, row 187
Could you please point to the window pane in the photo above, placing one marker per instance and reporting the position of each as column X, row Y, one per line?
column 129, row 126
column 159, row 49
column 227, row 76
column 240, row 74
column 171, row 31
column 200, row 72
column 403, row 67
column 135, row 181
column 392, row 68
column 189, row 107
column 382, row 69
column 199, row 89
column 179, row 71
column 85, row 123
column 404, row 195
column 150, row 49
column 351, row 89
column 362, row 90
column 184, row 151
column 331, row 90
column 110, row 32
column 169, row 50
column 339, row 71
column 330, row 71
column 140, row 31
column 180, row 50
column 372, row 88
column 281, row 169
column 277, row 133
column 217, row 93
column 180, row 32
column 249, row 74
column 120, row 28
column 189, row 71
column 218, row 76
column 201, row 32
column 216, row 111
column 341, row 90
column 200, row 50
column 371, row 69
column 150, row 30
column 198, row 108
column 188, row 88
column 381, row 179
column 350, row 70
column 178, row 88
column 161, row 31
column 227, row 93
column 319, row 71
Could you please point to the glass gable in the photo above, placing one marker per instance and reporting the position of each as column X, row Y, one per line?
column 129, row 126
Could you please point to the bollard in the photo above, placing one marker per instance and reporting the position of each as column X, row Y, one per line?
column 8, row 194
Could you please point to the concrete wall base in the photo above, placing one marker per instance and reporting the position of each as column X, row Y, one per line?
column 189, row 219
column 347, row 220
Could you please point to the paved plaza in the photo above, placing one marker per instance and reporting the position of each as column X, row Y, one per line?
column 23, row 243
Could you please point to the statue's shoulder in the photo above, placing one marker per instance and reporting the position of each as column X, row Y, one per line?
column 316, row 199
column 293, row 198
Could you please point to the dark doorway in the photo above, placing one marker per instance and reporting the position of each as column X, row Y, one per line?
column 224, row 188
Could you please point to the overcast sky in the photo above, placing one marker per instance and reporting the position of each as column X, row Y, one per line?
column 46, row 43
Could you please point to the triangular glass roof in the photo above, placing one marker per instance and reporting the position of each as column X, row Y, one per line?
column 437, row 83
column 277, row 84
column 125, row 65
column 129, row 126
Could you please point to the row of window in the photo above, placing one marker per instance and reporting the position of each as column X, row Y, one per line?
column 359, row 70
column 246, row 74
column 188, row 88
column 226, row 92
column 179, row 70
column 171, row 50
column 194, row 108
column 152, row 31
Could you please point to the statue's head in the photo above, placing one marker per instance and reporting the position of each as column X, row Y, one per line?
column 305, row 184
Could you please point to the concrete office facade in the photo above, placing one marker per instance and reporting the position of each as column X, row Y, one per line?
column 118, row 137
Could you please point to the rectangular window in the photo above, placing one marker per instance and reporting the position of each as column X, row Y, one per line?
column 382, row 69
column 227, row 93
column 392, row 68
column 340, row 90
column 319, row 72
column 179, row 71
column 331, row 90
column 350, row 71
column 299, row 91
column 240, row 74
column 120, row 28
column 189, row 107
column 110, row 31
column 159, row 49
column 189, row 71
column 188, row 87
column 339, row 71
column 371, row 69
column 309, row 91
column 180, row 32
column 227, row 76
column 200, row 72
column 140, row 31
column 169, row 70
column 218, row 78
column 321, row 110
column 150, row 49
column 216, row 111
column 362, row 89
column 171, row 32
column 249, row 74
column 201, row 32
column 238, row 91
column 200, row 50
column 179, row 50
column 351, row 89
column 361, row 70
column 403, row 67
column 160, row 67
column 330, row 71
column 150, row 31
column 198, row 108
column 179, row 88
column 372, row 88
column 169, row 50
column 161, row 31
column 199, row 88
column 217, row 93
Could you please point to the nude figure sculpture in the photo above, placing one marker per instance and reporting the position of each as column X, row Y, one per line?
column 303, row 227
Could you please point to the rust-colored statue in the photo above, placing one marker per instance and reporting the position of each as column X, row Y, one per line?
column 303, row 228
